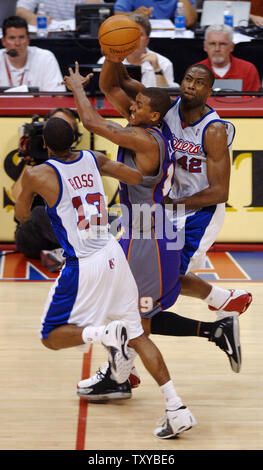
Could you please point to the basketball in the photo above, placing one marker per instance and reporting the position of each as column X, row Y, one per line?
column 119, row 35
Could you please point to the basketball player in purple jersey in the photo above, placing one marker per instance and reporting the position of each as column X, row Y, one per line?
column 150, row 260
column 204, row 189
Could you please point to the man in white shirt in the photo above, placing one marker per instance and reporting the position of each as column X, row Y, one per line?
column 156, row 69
column 58, row 10
column 21, row 64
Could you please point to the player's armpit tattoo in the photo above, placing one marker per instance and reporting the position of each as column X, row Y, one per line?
column 117, row 130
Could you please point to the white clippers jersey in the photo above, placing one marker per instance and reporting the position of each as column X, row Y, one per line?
column 79, row 218
column 191, row 168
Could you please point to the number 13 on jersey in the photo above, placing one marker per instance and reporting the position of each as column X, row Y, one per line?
column 91, row 211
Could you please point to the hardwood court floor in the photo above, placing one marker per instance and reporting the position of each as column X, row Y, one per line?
column 39, row 409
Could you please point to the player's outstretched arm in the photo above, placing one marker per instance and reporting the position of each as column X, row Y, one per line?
column 110, row 85
column 131, row 86
column 117, row 170
column 39, row 179
column 134, row 138
column 117, row 85
column 218, row 162
column 25, row 198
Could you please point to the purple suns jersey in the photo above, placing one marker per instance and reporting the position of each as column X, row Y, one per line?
column 79, row 218
column 149, row 240
column 153, row 189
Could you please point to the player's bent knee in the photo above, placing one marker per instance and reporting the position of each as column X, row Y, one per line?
column 137, row 342
column 48, row 343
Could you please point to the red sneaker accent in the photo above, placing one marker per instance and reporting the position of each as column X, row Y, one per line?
column 235, row 302
column 134, row 378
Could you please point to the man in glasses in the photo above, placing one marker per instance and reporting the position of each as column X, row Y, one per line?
column 218, row 45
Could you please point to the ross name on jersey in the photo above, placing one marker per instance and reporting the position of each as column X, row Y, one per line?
column 82, row 181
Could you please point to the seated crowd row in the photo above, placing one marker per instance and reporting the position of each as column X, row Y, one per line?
column 64, row 9
column 22, row 64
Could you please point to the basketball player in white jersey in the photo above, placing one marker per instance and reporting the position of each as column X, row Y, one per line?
column 88, row 303
column 201, row 141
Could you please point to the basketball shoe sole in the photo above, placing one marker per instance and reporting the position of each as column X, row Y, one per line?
column 237, row 302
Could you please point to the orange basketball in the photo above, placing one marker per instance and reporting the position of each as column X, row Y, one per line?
column 119, row 35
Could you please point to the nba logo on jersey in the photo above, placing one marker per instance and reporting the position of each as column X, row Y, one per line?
column 111, row 263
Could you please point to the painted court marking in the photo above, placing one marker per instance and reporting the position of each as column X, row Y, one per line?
column 83, row 404
column 221, row 266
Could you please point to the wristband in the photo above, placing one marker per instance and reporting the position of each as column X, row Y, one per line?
column 158, row 72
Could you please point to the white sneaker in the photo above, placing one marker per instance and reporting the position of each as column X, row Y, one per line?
column 53, row 260
column 174, row 423
column 115, row 338
column 237, row 302
column 94, row 378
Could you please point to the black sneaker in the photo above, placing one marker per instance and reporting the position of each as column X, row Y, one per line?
column 226, row 337
column 100, row 387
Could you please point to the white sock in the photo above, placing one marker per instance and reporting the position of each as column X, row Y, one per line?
column 93, row 334
column 173, row 402
column 217, row 297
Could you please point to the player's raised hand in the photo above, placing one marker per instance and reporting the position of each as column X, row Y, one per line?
column 74, row 78
column 112, row 57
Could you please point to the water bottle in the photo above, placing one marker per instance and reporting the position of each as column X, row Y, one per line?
column 229, row 15
column 42, row 30
column 179, row 19
column 104, row 13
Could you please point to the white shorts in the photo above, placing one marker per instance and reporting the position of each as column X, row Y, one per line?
column 94, row 291
column 201, row 231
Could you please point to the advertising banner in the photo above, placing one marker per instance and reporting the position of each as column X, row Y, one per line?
column 244, row 212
